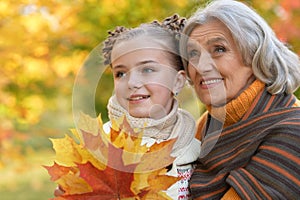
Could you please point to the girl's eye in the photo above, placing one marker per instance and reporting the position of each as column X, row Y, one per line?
column 148, row 70
column 120, row 74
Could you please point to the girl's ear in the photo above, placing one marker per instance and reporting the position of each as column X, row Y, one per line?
column 179, row 82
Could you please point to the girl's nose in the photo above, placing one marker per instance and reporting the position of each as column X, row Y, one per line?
column 134, row 80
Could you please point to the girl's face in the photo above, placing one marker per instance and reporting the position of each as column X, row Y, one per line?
column 215, row 64
column 144, row 79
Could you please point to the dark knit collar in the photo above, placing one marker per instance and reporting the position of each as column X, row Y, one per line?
column 234, row 110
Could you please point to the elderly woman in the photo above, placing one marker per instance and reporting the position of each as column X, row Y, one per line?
column 246, row 78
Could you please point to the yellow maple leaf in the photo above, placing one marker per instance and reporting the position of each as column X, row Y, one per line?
column 97, row 155
column 92, row 136
column 68, row 178
column 66, row 151
column 153, row 182
column 89, row 124
column 159, row 180
column 156, row 195
column 69, row 153
column 73, row 184
column 157, row 157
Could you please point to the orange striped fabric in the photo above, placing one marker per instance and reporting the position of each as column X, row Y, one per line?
column 255, row 158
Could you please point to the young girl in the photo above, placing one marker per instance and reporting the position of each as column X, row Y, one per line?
column 148, row 74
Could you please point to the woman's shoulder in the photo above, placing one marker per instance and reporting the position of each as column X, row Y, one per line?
column 297, row 103
column 201, row 122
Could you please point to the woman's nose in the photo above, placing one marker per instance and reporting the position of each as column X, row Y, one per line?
column 205, row 62
column 134, row 80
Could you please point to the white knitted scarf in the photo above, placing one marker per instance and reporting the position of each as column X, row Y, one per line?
column 178, row 123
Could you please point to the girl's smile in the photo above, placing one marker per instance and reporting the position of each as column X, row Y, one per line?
column 145, row 78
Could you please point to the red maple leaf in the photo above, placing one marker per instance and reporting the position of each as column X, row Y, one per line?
column 111, row 183
column 57, row 171
column 107, row 184
column 105, row 166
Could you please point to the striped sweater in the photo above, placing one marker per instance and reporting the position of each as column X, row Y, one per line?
column 257, row 157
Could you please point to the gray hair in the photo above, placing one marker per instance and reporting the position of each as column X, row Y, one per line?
column 272, row 62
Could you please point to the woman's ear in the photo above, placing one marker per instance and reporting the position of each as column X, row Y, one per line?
column 179, row 82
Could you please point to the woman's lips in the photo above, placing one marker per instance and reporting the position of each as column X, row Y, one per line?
column 208, row 83
column 211, row 81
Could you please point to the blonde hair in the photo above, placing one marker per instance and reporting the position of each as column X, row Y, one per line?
column 166, row 33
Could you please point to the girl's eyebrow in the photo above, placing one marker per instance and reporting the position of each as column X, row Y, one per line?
column 147, row 62
column 118, row 66
column 137, row 64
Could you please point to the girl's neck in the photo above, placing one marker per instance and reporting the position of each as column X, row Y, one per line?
column 155, row 128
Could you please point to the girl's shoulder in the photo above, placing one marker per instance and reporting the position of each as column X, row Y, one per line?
column 106, row 127
column 189, row 153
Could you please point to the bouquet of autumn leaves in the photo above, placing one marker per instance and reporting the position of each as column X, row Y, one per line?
column 93, row 164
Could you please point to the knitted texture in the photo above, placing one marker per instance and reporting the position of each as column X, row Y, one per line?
column 249, row 156
column 231, row 195
column 159, row 129
column 235, row 109
column 177, row 124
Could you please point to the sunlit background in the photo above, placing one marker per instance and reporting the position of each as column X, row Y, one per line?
column 43, row 44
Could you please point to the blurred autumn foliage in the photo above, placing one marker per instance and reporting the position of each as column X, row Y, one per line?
column 43, row 44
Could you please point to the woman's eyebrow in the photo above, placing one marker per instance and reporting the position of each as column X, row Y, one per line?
column 216, row 39
column 194, row 43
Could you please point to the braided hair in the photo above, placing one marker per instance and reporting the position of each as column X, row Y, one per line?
column 167, row 31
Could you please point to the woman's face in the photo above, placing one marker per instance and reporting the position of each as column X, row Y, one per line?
column 215, row 64
column 144, row 79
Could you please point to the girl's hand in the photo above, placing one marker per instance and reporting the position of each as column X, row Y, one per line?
column 58, row 191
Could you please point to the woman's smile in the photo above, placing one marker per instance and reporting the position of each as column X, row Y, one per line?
column 215, row 64
column 208, row 83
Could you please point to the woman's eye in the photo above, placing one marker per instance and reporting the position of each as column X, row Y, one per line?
column 219, row 49
column 193, row 53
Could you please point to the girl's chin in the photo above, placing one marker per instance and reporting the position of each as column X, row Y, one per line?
column 152, row 113
column 139, row 114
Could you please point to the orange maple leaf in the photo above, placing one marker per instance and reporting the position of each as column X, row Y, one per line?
column 106, row 184
column 57, row 171
column 111, row 165
column 152, row 184
column 85, row 181
column 68, row 179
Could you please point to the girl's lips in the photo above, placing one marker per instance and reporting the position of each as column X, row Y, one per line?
column 138, row 97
